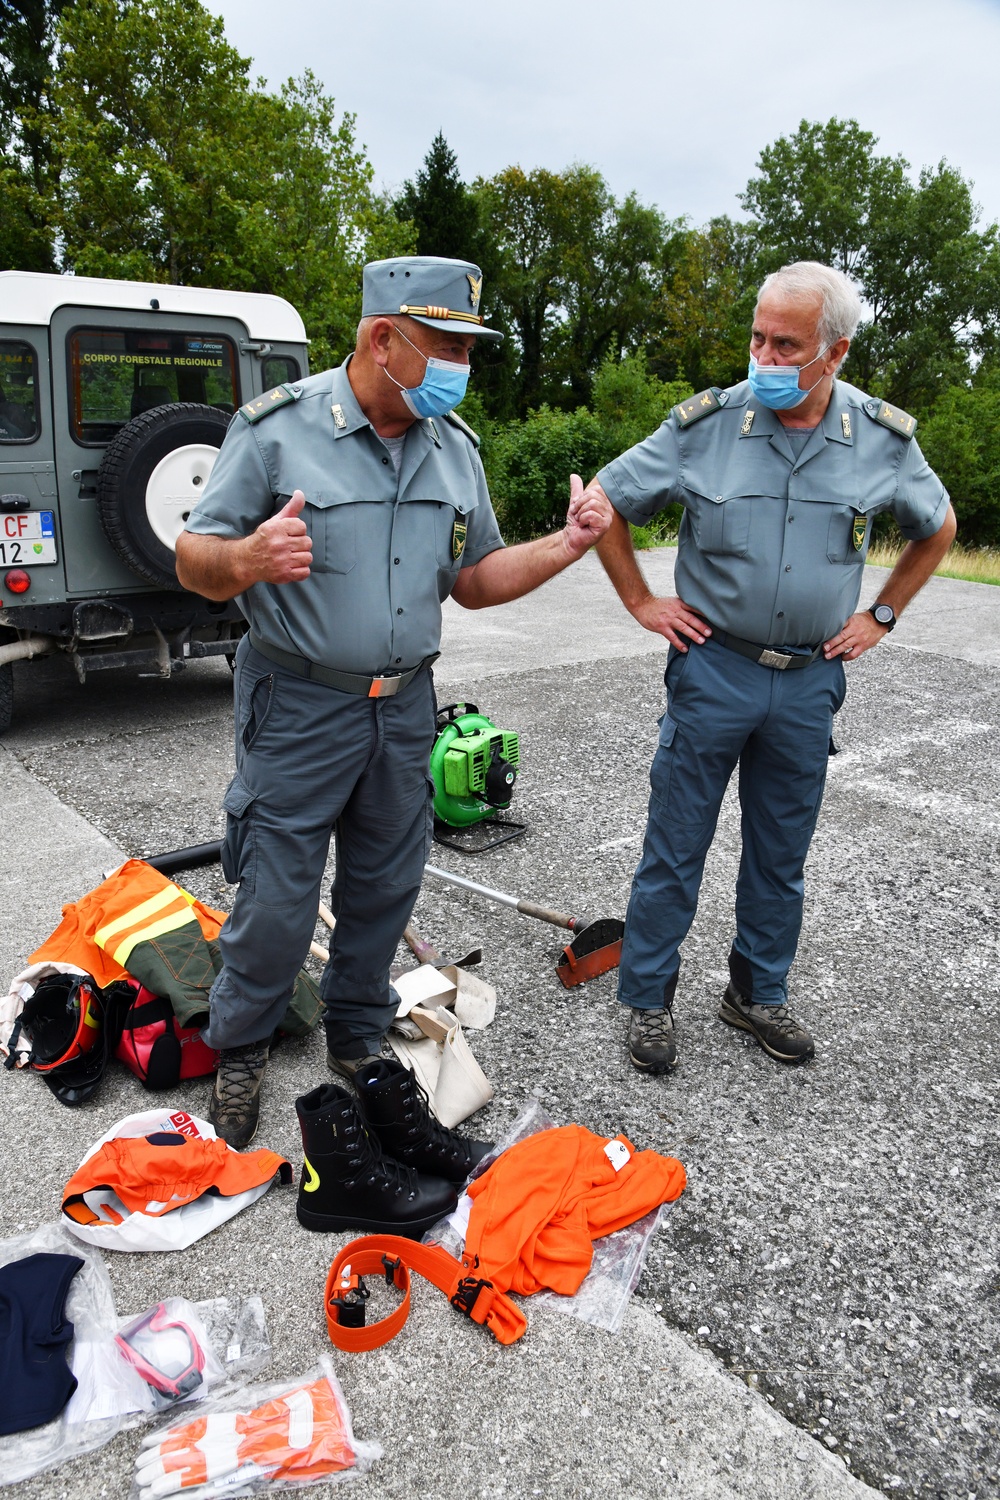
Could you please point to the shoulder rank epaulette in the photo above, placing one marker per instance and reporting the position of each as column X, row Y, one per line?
column 457, row 421
column 270, row 401
column 893, row 417
column 696, row 407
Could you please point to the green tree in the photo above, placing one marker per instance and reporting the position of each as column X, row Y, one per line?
column 931, row 281
column 27, row 44
column 440, row 206
column 706, row 306
column 577, row 273
column 175, row 167
column 961, row 441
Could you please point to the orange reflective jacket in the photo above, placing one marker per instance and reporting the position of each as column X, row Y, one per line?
column 134, row 905
column 539, row 1207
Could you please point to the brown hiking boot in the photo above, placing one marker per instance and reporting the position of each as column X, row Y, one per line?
column 774, row 1026
column 235, row 1104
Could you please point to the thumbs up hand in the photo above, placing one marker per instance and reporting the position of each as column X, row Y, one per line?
column 281, row 547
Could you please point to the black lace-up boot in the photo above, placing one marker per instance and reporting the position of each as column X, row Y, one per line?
column 395, row 1108
column 346, row 1181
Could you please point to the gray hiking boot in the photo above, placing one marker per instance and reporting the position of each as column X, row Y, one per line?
column 651, row 1044
column 235, row 1104
column 774, row 1026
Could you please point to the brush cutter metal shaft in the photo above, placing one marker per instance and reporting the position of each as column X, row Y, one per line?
column 526, row 908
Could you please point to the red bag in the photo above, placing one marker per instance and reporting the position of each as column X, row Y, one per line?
column 152, row 1045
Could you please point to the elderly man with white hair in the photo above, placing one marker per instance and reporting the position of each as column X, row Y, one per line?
column 780, row 478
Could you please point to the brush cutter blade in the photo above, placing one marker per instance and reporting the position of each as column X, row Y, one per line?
column 596, row 947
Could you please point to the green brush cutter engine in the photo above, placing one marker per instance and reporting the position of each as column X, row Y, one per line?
column 474, row 768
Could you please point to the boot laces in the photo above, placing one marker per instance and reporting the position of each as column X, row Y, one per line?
column 240, row 1072
column 425, row 1128
column 370, row 1164
column 656, row 1026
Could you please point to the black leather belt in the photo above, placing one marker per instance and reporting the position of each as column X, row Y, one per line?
column 346, row 682
column 765, row 656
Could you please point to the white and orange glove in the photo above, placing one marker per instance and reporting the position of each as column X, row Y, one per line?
column 301, row 1434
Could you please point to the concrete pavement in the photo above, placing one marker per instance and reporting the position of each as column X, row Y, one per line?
column 820, row 1300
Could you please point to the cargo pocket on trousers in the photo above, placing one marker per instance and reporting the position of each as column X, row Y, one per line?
column 659, row 771
column 238, row 861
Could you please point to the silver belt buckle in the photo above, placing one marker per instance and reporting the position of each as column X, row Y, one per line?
column 776, row 659
column 385, row 687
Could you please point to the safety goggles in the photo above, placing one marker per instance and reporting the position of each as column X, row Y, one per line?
column 164, row 1352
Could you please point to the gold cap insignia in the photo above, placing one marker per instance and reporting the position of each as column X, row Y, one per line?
column 476, row 285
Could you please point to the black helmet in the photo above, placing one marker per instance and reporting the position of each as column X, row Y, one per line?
column 64, row 1022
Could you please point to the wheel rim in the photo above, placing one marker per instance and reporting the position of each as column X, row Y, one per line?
column 174, row 488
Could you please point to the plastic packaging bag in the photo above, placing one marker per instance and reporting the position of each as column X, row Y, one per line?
column 95, row 1411
column 618, row 1258
column 288, row 1434
column 180, row 1350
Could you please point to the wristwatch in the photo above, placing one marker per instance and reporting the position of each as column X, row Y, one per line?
column 884, row 614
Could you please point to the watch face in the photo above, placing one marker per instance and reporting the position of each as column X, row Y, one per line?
column 883, row 613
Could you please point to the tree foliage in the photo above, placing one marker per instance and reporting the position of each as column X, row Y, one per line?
column 27, row 45
column 577, row 274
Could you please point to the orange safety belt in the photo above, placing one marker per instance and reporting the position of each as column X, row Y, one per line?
column 394, row 1257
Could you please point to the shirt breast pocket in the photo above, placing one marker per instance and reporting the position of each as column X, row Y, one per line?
column 722, row 524
column 331, row 520
column 848, row 534
column 451, row 532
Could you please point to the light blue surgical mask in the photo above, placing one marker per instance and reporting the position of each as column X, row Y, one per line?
column 777, row 386
column 442, row 388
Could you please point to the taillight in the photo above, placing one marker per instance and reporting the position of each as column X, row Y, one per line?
column 18, row 581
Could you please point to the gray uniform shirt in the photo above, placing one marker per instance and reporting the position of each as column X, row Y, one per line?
column 386, row 549
column 772, row 541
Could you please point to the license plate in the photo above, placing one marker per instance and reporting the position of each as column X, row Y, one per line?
column 27, row 537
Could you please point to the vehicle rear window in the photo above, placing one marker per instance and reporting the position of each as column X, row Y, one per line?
column 117, row 374
column 278, row 369
column 18, row 392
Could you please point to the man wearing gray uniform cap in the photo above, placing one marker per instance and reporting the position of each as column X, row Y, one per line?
column 341, row 511
column 779, row 478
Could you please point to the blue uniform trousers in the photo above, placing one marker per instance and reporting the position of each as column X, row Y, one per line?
column 312, row 761
column 724, row 710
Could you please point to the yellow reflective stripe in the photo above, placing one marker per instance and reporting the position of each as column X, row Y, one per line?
column 147, row 934
column 156, row 903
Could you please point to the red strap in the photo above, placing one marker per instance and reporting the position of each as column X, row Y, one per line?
column 392, row 1256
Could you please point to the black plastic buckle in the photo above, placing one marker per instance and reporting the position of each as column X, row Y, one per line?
column 350, row 1303
column 466, row 1294
column 390, row 1267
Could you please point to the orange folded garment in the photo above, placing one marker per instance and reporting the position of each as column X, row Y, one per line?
column 540, row 1206
column 156, row 1173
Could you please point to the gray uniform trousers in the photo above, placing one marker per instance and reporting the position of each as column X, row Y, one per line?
column 311, row 761
column 722, row 711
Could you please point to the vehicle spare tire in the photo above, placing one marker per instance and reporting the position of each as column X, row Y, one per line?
column 150, row 477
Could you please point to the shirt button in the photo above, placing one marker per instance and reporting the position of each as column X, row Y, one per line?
column 790, row 520
column 398, row 660
column 794, row 471
column 788, row 567
column 399, row 611
column 781, row 614
column 396, row 561
column 718, row 497
column 385, row 460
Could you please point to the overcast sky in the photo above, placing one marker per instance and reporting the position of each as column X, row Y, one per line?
column 674, row 101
